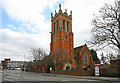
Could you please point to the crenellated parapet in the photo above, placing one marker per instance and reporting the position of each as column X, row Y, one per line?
column 62, row 13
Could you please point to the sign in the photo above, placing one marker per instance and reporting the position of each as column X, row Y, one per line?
column 50, row 68
column 96, row 70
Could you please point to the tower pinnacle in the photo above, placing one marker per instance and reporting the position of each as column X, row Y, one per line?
column 59, row 6
column 66, row 10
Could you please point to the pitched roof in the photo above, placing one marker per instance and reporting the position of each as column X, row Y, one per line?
column 79, row 47
column 77, row 50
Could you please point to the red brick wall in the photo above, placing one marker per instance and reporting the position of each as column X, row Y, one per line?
column 73, row 73
column 4, row 63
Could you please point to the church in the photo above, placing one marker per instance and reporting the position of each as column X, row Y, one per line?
column 66, row 57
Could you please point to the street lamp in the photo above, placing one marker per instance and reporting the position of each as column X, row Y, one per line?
column 24, row 59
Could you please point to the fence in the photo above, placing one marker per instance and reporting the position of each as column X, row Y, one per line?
column 111, row 71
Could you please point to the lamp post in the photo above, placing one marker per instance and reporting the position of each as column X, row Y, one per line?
column 24, row 59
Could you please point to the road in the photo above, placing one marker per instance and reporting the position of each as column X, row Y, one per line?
column 14, row 76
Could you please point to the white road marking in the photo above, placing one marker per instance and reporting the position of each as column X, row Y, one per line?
column 16, row 78
column 28, row 78
column 12, row 77
column 64, row 80
column 8, row 80
column 33, row 78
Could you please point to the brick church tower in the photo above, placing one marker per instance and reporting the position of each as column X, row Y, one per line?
column 61, row 45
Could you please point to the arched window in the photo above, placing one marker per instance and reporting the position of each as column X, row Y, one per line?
column 67, row 26
column 57, row 25
column 64, row 25
column 54, row 28
column 85, row 58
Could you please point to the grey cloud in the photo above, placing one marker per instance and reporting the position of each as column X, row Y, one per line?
column 13, row 43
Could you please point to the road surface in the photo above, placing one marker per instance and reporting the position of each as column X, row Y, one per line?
column 14, row 76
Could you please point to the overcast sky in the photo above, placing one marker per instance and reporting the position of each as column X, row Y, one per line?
column 26, row 24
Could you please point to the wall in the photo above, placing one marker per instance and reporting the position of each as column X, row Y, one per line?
column 73, row 73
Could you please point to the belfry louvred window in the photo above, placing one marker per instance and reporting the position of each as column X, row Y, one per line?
column 67, row 26
column 57, row 25
column 64, row 25
column 54, row 27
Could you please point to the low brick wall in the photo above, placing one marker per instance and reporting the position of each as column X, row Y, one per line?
column 73, row 73
column 65, row 72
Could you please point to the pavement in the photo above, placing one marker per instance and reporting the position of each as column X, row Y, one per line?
column 0, row 75
column 111, row 79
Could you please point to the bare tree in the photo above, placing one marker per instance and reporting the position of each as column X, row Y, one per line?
column 53, row 60
column 38, row 53
column 106, row 31
column 60, row 57
column 106, row 58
